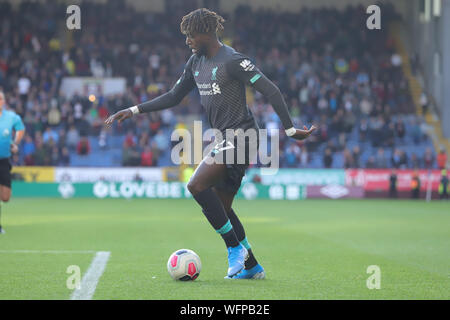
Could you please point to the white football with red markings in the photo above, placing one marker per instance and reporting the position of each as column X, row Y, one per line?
column 184, row 265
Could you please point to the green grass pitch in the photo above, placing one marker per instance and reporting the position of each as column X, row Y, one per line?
column 311, row 249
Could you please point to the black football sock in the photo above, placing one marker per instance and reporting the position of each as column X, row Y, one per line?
column 240, row 233
column 216, row 215
column 251, row 261
column 228, row 235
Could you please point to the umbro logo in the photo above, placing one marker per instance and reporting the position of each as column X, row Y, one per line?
column 247, row 65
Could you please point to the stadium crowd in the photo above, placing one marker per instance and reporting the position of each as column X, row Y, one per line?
column 334, row 73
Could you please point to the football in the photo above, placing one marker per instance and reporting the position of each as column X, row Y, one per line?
column 184, row 265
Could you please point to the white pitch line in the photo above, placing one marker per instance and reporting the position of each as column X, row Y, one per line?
column 91, row 277
column 47, row 251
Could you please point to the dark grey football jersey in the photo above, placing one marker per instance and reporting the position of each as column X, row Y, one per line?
column 221, row 83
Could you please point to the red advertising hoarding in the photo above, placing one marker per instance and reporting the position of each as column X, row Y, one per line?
column 378, row 179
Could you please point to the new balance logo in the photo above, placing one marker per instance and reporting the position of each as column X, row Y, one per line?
column 217, row 148
column 247, row 65
column 216, row 88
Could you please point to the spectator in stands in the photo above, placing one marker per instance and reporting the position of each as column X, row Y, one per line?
column 371, row 164
column 292, row 156
column 393, row 184
column 400, row 129
column 54, row 116
column 328, row 158
column 41, row 157
column 23, row 85
column 424, row 103
column 416, row 132
column 428, row 159
column 398, row 159
column 102, row 139
column 103, row 113
column 130, row 139
column 380, row 159
column 49, row 134
column 356, row 154
column 54, row 157
column 83, row 146
column 62, row 139
column 363, row 130
column 443, row 185
column 29, row 160
column 323, row 132
column 161, row 140
column 365, row 106
column 143, row 140
column 389, row 135
column 442, row 159
column 341, row 142
column 130, row 155
column 28, row 146
column 72, row 137
column 65, row 157
column 349, row 121
column 147, row 157
column 403, row 159
column 83, row 126
column 348, row 159
column 94, row 120
column 414, row 162
column 304, row 157
column 415, row 186
column 156, row 153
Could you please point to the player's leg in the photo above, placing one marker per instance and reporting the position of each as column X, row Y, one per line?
column 253, row 270
column 5, row 185
column 227, row 201
column 5, row 195
column 200, row 185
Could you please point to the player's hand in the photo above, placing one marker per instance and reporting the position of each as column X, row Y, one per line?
column 119, row 116
column 303, row 134
column 14, row 148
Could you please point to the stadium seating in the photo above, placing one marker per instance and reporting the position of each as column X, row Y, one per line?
column 348, row 74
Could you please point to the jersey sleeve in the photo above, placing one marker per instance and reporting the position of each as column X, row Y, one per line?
column 240, row 67
column 186, row 82
column 243, row 69
column 18, row 123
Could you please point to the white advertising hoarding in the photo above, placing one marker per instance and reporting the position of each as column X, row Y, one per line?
column 86, row 86
column 80, row 175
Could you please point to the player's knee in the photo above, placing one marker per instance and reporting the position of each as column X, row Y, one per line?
column 195, row 187
column 227, row 209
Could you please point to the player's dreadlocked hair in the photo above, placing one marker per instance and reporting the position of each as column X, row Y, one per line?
column 201, row 21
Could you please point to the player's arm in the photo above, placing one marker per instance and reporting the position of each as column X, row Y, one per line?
column 244, row 70
column 20, row 132
column 167, row 100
